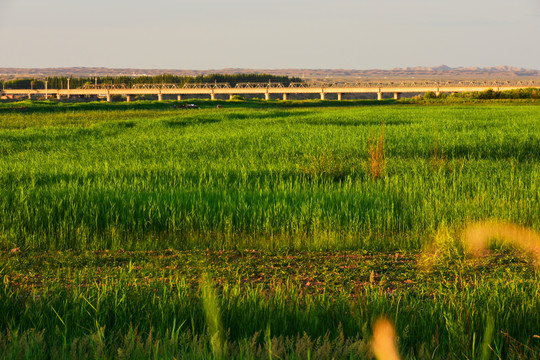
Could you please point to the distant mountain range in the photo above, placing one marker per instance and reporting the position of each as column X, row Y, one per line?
column 418, row 72
column 504, row 68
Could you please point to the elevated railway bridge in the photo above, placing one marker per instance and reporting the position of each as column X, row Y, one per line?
column 268, row 89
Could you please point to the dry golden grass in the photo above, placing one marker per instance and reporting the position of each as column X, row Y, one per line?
column 384, row 340
column 376, row 164
column 477, row 235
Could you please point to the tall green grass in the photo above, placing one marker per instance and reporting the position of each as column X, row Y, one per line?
column 252, row 178
column 122, row 317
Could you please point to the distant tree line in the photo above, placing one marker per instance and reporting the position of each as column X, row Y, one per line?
column 23, row 84
column 62, row 82
column 526, row 93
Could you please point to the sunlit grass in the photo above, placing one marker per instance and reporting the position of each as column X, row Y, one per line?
column 260, row 233
column 262, row 178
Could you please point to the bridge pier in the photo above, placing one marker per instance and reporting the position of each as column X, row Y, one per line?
column 339, row 96
column 397, row 96
column 160, row 97
column 231, row 96
column 212, row 96
column 29, row 96
column 109, row 97
column 323, row 96
column 267, row 95
column 128, row 98
column 58, row 97
column 379, row 95
column 179, row 97
column 284, row 97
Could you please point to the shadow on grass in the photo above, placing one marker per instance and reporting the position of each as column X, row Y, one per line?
column 276, row 114
column 191, row 121
column 51, row 106
column 353, row 122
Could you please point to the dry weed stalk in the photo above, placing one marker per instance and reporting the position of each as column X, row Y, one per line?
column 377, row 161
column 477, row 235
column 437, row 157
column 384, row 340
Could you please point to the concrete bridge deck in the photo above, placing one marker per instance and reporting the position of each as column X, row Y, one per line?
column 267, row 89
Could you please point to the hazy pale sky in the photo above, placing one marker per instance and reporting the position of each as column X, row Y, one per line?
column 272, row 34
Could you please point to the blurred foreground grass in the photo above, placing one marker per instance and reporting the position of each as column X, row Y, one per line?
column 146, row 304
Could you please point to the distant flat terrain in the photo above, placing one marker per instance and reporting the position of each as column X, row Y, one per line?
column 438, row 72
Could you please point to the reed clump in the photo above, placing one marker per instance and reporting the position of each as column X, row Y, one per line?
column 437, row 158
column 326, row 165
column 376, row 163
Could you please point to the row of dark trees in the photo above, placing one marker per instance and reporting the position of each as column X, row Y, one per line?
column 62, row 82
column 22, row 84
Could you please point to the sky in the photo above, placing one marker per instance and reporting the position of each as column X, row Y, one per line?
column 269, row 34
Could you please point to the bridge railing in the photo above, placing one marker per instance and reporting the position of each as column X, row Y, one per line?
column 207, row 86
column 155, row 86
column 258, row 85
column 301, row 85
column 429, row 83
column 343, row 84
column 104, row 86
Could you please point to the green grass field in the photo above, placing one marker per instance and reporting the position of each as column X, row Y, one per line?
column 265, row 230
